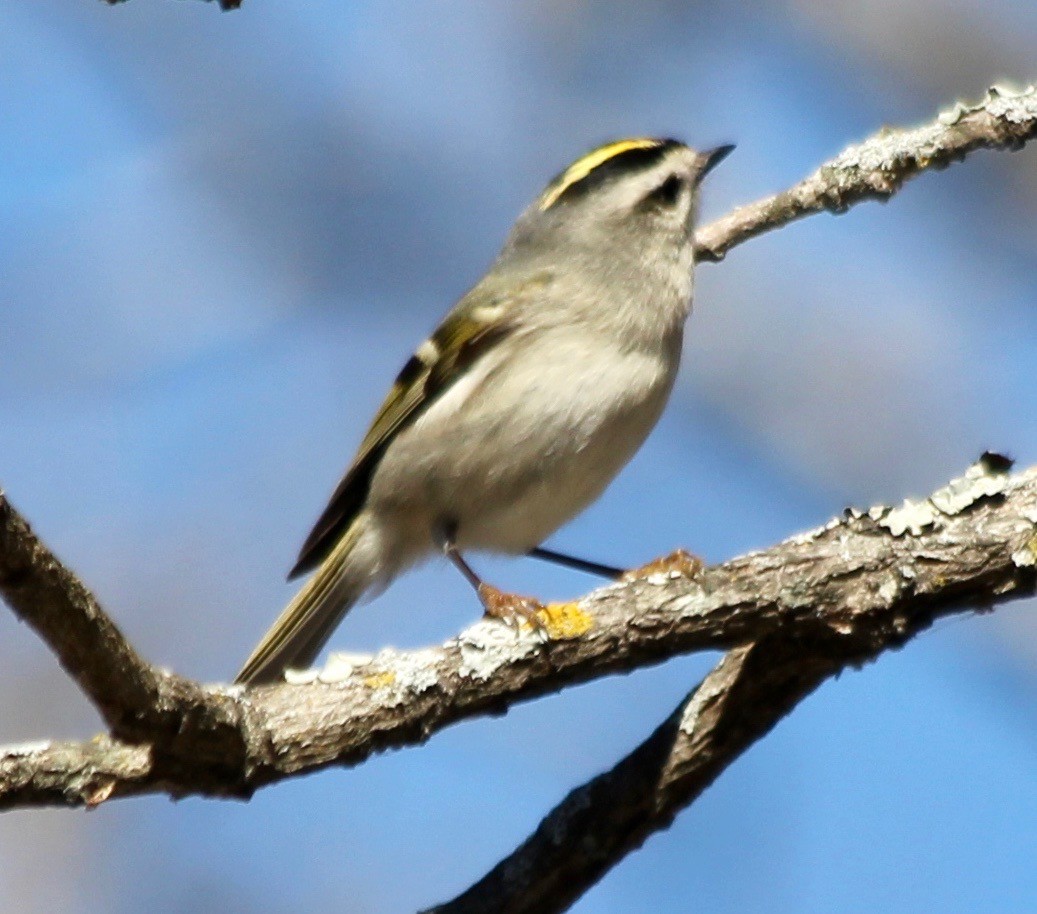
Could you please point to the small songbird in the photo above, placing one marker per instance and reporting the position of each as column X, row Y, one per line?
column 518, row 411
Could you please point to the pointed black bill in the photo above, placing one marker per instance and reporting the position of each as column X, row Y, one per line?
column 711, row 158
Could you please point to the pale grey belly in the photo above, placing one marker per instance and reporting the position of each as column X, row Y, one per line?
column 529, row 502
column 510, row 455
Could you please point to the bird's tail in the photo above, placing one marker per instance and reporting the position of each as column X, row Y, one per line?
column 307, row 622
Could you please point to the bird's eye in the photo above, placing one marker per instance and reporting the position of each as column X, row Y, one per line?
column 667, row 193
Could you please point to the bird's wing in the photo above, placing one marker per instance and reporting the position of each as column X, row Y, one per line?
column 478, row 320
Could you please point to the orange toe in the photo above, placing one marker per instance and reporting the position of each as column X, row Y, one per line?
column 511, row 608
column 680, row 561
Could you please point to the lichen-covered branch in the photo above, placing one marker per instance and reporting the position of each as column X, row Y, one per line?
column 138, row 702
column 862, row 584
column 790, row 616
column 748, row 692
column 876, row 168
column 48, row 596
column 598, row 824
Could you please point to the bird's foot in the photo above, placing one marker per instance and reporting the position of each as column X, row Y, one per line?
column 511, row 608
column 680, row 561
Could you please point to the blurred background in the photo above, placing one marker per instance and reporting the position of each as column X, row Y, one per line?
column 221, row 235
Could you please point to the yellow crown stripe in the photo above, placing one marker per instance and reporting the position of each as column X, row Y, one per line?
column 585, row 165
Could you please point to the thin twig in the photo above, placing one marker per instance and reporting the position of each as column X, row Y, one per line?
column 876, row 168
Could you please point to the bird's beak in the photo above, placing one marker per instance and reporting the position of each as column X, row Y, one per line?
column 710, row 158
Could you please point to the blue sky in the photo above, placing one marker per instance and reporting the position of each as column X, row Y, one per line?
column 221, row 234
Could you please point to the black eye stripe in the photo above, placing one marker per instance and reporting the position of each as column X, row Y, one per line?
column 668, row 192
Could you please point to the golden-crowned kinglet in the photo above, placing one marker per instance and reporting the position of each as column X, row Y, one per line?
column 532, row 394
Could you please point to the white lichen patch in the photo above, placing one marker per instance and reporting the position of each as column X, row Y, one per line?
column 416, row 671
column 339, row 667
column 882, row 156
column 808, row 536
column 343, row 664
column 711, row 689
column 396, row 676
column 301, row 677
column 1027, row 556
column 1024, row 558
column 879, row 154
column 31, row 748
column 889, row 590
column 978, row 482
column 1002, row 101
column 489, row 645
column 984, row 479
column 913, row 516
column 1012, row 103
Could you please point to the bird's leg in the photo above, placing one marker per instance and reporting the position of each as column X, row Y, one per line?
column 508, row 607
column 570, row 561
column 680, row 561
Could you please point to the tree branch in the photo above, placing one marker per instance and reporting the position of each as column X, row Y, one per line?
column 598, row 824
column 751, row 689
column 864, row 582
column 92, row 650
column 138, row 702
column 876, row 168
column 794, row 615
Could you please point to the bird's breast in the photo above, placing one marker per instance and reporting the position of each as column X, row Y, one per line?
column 527, row 439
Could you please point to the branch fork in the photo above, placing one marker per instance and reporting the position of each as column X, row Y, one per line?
column 789, row 617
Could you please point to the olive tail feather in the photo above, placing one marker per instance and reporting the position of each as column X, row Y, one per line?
column 307, row 622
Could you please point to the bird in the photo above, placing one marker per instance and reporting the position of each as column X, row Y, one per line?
column 535, row 390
